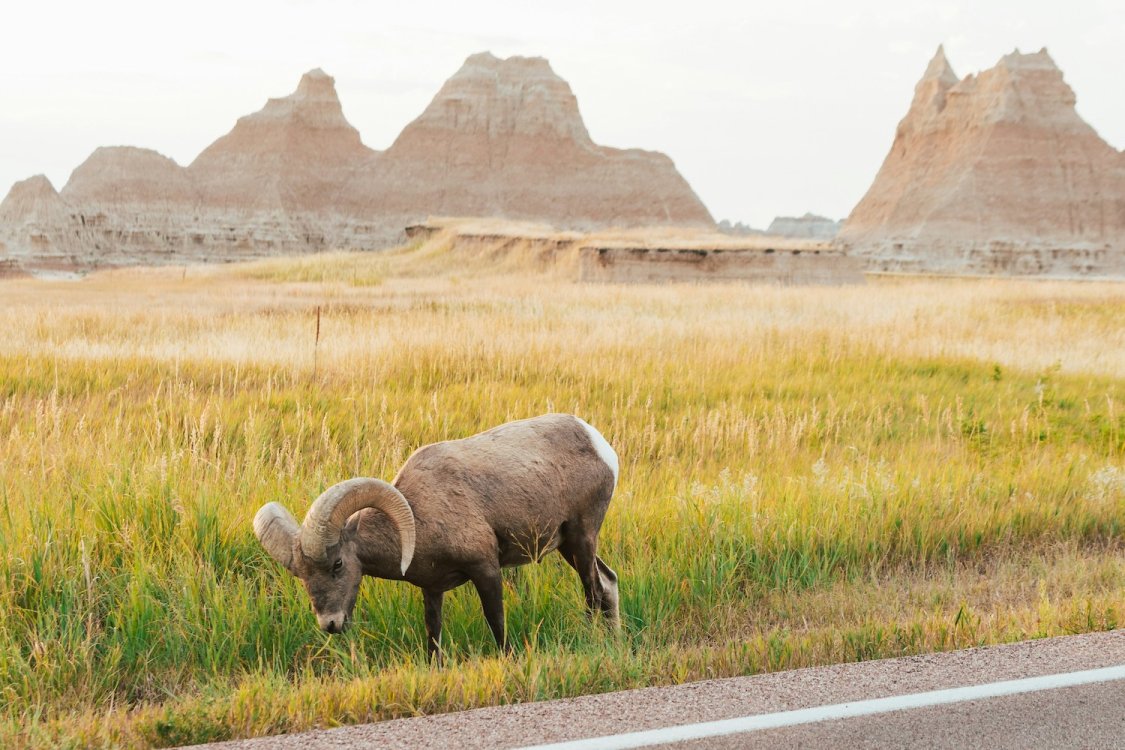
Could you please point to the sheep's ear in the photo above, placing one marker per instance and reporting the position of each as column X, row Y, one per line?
column 276, row 529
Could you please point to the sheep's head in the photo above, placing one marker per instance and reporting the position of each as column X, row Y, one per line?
column 333, row 585
column 318, row 553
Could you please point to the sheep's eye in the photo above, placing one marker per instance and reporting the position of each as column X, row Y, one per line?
column 337, row 565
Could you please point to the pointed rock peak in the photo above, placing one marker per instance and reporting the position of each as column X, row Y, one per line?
column 1018, row 61
column 34, row 185
column 939, row 69
column 313, row 105
column 316, row 84
column 482, row 58
column 294, row 152
column 32, row 199
column 511, row 67
column 517, row 96
column 931, row 90
column 1034, row 77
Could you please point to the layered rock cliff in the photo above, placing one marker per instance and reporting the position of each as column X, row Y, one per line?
column 296, row 154
column 994, row 173
column 36, row 222
column 503, row 138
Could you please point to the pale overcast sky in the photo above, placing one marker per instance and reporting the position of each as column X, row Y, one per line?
column 767, row 108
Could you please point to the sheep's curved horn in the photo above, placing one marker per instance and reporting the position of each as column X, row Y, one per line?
column 275, row 528
column 331, row 510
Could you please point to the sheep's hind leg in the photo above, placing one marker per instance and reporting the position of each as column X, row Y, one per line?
column 609, row 603
column 433, row 600
column 599, row 582
column 490, row 589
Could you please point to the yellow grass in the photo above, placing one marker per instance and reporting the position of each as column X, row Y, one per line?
column 809, row 475
column 430, row 300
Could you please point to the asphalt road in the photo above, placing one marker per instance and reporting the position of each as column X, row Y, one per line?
column 1082, row 716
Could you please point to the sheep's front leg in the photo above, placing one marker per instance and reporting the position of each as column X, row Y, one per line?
column 490, row 589
column 432, row 600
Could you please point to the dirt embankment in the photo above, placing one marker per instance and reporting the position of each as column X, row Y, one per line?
column 646, row 256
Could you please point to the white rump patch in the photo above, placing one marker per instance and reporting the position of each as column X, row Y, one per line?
column 602, row 446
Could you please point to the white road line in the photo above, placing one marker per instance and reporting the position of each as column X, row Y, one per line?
column 836, row 711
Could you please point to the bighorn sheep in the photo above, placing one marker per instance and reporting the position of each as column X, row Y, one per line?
column 458, row 511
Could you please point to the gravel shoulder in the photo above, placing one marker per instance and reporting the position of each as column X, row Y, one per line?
column 634, row 710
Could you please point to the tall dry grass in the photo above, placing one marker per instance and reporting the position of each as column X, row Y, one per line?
column 809, row 475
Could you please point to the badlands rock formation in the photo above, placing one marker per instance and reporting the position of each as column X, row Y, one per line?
column 738, row 229
column 36, row 222
column 123, row 177
column 503, row 138
column 995, row 173
column 33, row 202
column 808, row 226
column 295, row 154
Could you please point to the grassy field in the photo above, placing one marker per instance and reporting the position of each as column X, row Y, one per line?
column 809, row 475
